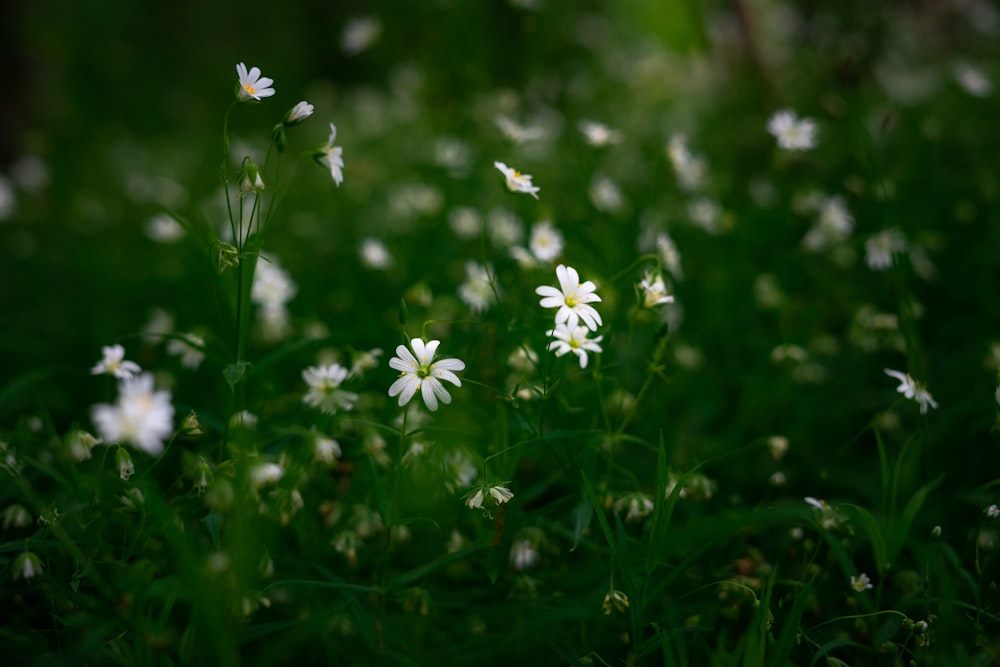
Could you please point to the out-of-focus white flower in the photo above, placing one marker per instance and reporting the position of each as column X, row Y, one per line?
column 880, row 248
column 252, row 85
column 16, row 516
column 27, row 566
column 992, row 512
column 572, row 298
column 777, row 445
column 573, row 339
column 189, row 348
column 359, row 34
column 374, row 254
column 332, row 157
column 705, row 213
column 488, row 497
column 518, row 133
column 689, row 169
column 326, row 450
column 114, row 363
column 505, row 228
column 605, row 195
column 614, row 599
column 516, row 181
column 466, row 222
column 670, row 255
column 265, row 473
column 123, row 461
column 792, row 133
column 477, row 292
column 833, row 225
column 829, row 517
column 8, row 199
column 272, row 286
column 654, row 291
column 420, row 371
column 861, row 582
column 364, row 360
column 546, row 242
column 324, row 388
column 164, row 228
column 912, row 390
column 523, row 554
column 972, row 80
column 639, row 505
column 599, row 134
column 142, row 417
column 298, row 113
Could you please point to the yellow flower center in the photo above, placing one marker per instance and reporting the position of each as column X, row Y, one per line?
column 572, row 301
column 250, row 89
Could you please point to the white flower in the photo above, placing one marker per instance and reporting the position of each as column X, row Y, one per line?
column 573, row 340
column 477, row 290
column 880, row 248
column 516, row 181
column 265, row 473
column 689, row 169
column 189, row 348
column 360, row 33
column 27, row 566
column 972, row 80
column 599, row 134
column 326, row 450
column 912, row 390
column 670, row 255
column 571, row 299
column 605, row 195
column 614, row 599
column 492, row 496
column 298, row 113
column 374, row 254
column 324, row 388
column 252, row 85
column 421, row 371
column 164, row 228
column 792, row 134
column 114, row 363
column 861, row 582
column 546, row 242
column 639, row 505
column 523, row 554
column 142, row 417
column 654, row 291
column 331, row 157
column 365, row 360
column 518, row 133
column 992, row 512
column 272, row 287
column 829, row 517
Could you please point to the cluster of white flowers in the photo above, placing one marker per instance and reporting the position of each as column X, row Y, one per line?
column 572, row 300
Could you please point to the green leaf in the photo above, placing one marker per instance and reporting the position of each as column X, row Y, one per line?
column 581, row 521
column 234, row 373
column 901, row 528
column 871, row 525
column 790, row 628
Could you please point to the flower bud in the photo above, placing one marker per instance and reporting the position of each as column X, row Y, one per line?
column 251, row 180
column 297, row 114
column 124, row 462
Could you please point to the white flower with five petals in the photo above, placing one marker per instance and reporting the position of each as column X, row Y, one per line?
column 912, row 390
column 572, row 299
column 332, row 157
column 573, row 339
column 114, row 363
column 516, row 181
column 252, row 85
column 420, row 371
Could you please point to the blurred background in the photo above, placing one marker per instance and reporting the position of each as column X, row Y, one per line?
column 112, row 110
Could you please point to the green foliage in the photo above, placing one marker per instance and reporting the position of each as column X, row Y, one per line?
column 727, row 476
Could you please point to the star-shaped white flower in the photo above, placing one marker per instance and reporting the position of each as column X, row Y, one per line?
column 331, row 157
column 573, row 339
column 571, row 299
column 516, row 181
column 421, row 371
column 252, row 85
column 913, row 390
column 861, row 582
column 792, row 133
column 142, row 417
column 114, row 363
column 324, row 388
column 654, row 291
